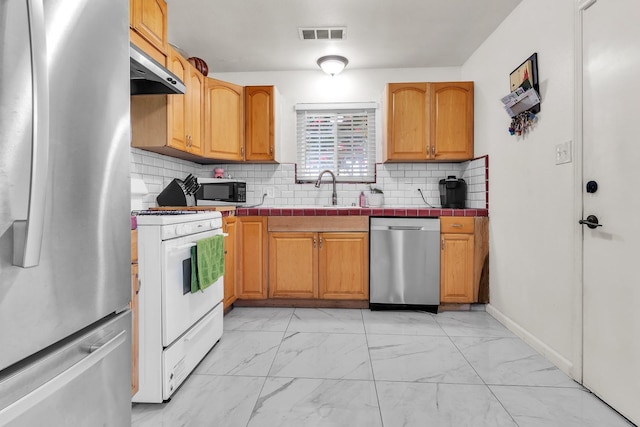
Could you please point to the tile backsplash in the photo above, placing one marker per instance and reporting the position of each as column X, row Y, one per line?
column 399, row 181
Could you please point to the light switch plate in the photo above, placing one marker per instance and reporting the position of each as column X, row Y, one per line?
column 563, row 153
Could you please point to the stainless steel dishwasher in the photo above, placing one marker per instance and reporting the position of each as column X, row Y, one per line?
column 404, row 265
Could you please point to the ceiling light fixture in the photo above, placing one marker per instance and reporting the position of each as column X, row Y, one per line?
column 332, row 64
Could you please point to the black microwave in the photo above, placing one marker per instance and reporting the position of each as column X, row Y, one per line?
column 218, row 191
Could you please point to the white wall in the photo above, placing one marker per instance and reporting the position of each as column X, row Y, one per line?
column 315, row 86
column 534, row 286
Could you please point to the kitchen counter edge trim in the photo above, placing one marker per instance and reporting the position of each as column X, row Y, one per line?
column 391, row 212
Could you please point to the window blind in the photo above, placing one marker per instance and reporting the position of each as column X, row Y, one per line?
column 341, row 140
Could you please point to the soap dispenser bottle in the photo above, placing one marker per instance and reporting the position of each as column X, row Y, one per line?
column 363, row 200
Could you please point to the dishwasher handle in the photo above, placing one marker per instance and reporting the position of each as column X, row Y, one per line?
column 405, row 227
column 397, row 228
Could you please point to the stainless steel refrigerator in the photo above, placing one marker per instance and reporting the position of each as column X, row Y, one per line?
column 65, row 347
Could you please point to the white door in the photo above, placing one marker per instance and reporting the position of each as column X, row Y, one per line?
column 611, row 158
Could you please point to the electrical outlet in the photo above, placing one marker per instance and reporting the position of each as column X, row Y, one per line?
column 269, row 191
column 563, row 152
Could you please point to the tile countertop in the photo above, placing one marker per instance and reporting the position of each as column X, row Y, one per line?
column 356, row 211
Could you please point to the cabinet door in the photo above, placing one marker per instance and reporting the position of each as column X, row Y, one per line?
column 456, row 268
column 407, row 121
column 149, row 19
column 259, row 123
column 344, row 266
column 229, row 226
column 223, row 120
column 195, row 92
column 293, row 265
column 252, row 247
column 452, row 121
column 135, row 288
column 177, row 104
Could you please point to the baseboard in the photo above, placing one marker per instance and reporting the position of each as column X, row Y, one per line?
column 550, row 354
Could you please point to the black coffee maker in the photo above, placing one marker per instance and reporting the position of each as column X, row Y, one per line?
column 453, row 192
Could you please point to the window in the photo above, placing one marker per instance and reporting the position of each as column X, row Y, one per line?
column 337, row 137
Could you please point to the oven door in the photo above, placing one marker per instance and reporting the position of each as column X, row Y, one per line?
column 180, row 308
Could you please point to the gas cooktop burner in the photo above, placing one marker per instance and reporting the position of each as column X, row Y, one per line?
column 163, row 213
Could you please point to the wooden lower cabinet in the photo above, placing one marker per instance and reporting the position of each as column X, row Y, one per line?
column 463, row 250
column 344, row 266
column 293, row 265
column 229, row 226
column 135, row 288
column 252, row 248
column 456, row 268
column 310, row 265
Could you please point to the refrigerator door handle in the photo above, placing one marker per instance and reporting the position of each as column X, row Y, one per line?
column 27, row 234
column 31, row 399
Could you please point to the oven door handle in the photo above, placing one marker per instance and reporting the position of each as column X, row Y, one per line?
column 190, row 245
column 181, row 247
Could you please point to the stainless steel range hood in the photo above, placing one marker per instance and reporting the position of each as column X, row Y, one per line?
column 149, row 77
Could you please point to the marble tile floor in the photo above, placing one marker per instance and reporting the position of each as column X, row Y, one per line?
column 277, row 367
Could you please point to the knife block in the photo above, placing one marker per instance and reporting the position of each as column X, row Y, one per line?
column 175, row 194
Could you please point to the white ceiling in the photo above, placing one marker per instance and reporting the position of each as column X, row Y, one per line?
column 262, row 35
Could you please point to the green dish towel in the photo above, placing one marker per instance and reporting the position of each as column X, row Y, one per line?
column 207, row 262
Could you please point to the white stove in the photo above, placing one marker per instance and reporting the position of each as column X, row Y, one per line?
column 177, row 327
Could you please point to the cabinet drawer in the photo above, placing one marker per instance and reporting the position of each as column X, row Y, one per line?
column 456, row 225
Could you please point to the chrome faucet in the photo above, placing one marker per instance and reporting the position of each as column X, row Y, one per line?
column 334, row 196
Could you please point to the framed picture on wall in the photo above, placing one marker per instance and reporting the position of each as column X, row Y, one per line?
column 526, row 77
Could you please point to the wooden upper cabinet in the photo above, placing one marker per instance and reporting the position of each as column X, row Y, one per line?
column 148, row 18
column 407, row 121
column 171, row 124
column 260, row 126
column 177, row 104
column 223, row 120
column 452, row 120
column 429, row 121
column 185, row 111
column 194, row 96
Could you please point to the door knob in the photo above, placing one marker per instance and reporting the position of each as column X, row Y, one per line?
column 591, row 222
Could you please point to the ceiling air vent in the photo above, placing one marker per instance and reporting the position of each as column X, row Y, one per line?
column 324, row 33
